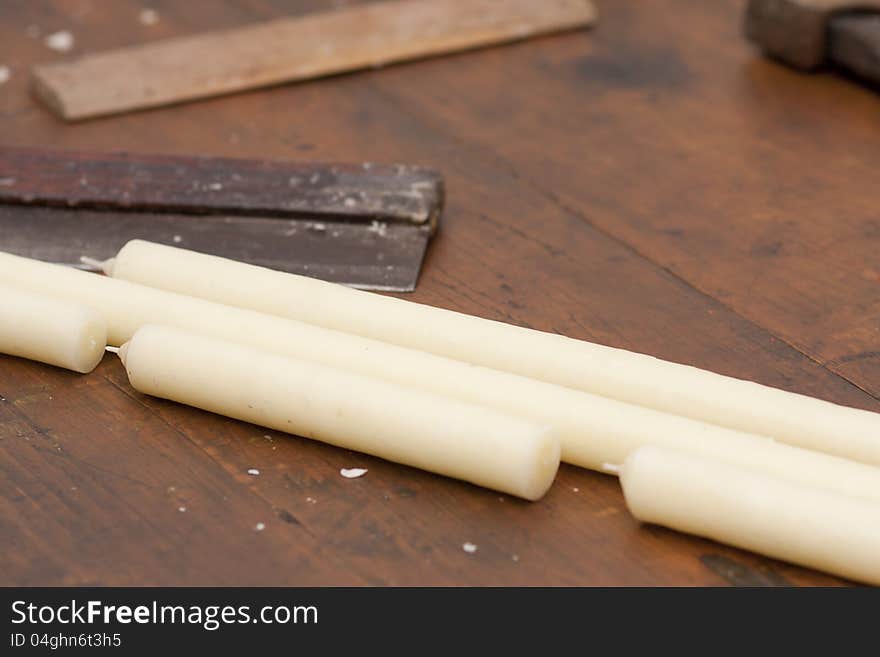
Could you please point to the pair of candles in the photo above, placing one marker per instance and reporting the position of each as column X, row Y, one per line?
column 496, row 399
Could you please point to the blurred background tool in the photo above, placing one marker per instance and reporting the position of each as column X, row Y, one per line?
column 362, row 225
column 808, row 33
column 288, row 49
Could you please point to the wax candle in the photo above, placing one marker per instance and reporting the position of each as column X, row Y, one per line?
column 809, row 526
column 50, row 330
column 408, row 426
column 616, row 373
column 593, row 430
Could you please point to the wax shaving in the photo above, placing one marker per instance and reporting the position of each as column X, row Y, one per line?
column 61, row 41
column 259, row 527
column 253, row 471
column 470, row 548
column 353, row 473
column 148, row 16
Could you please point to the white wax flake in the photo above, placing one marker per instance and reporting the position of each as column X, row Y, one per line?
column 148, row 16
column 576, row 490
column 177, row 239
column 377, row 227
column 470, row 548
column 182, row 509
column 5, row 74
column 61, row 41
column 515, row 557
column 353, row 473
column 215, row 186
column 311, row 500
column 253, row 472
column 349, row 202
column 259, row 527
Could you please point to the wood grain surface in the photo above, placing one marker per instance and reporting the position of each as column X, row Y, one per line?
column 653, row 184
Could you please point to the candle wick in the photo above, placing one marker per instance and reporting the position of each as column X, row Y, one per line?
column 611, row 468
column 97, row 265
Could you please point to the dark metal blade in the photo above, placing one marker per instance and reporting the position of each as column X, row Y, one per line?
column 363, row 225
column 375, row 256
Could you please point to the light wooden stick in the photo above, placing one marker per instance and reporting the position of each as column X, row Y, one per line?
column 291, row 49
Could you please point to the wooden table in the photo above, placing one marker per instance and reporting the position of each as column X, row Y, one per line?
column 652, row 184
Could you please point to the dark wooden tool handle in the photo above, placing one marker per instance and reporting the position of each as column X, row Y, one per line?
column 796, row 31
column 213, row 185
column 854, row 44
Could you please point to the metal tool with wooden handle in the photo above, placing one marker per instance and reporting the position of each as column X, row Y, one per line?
column 808, row 33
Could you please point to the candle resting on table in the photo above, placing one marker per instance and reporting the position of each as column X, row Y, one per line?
column 808, row 526
column 616, row 373
column 593, row 430
column 51, row 330
column 407, row 426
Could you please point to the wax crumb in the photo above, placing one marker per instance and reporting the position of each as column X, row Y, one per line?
column 515, row 557
column 215, row 186
column 5, row 74
column 148, row 16
column 254, row 472
column 576, row 490
column 177, row 239
column 470, row 548
column 182, row 509
column 353, row 473
column 377, row 227
column 259, row 527
column 59, row 41
column 311, row 500
column 349, row 202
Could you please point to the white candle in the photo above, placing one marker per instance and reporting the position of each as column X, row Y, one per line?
column 408, row 426
column 616, row 373
column 593, row 430
column 50, row 330
column 835, row 533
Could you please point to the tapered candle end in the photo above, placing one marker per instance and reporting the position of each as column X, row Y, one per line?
column 103, row 266
column 121, row 352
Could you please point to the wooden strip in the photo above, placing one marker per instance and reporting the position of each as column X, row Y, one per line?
column 290, row 49
column 214, row 185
